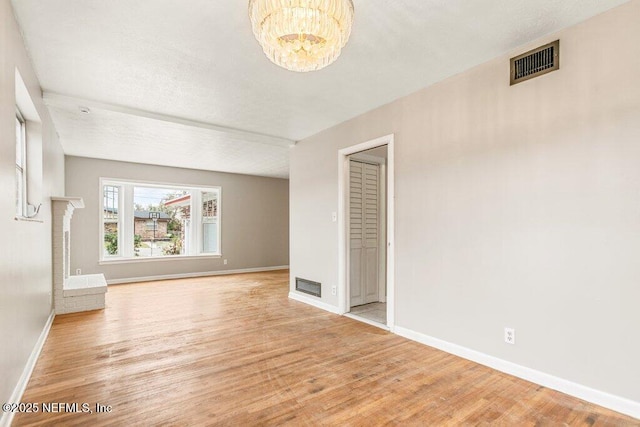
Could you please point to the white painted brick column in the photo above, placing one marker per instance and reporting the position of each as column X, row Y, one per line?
column 71, row 293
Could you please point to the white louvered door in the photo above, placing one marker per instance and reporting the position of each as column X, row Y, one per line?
column 364, row 202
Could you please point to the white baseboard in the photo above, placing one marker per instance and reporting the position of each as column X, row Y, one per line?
column 198, row 274
column 18, row 391
column 314, row 302
column 616, row 403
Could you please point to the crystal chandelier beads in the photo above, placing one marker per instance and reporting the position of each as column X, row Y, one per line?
column 301, row 35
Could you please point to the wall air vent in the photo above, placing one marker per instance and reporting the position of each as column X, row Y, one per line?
column 536, row 62
column 308, row 287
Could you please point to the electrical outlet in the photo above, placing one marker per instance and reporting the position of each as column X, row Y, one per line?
column 225, row 262
column 334, row 290
column 78, row 271
column 509, row 335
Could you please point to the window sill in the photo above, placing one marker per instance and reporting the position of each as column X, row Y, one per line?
column 155, row 259
column 25, row 219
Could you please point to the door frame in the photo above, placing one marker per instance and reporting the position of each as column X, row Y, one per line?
column 343, row 224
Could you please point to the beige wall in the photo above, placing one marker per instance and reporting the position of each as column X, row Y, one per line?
column 255, row 218
column 515, row 206
column 25, row 247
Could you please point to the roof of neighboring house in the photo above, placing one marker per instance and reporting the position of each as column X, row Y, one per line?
column 179, row 201
column 145, row 215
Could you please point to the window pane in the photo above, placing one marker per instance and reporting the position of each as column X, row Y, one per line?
column 19, row 191
column 20, row 181
column 160, row 221
column 110, row 220
column 19, row 148
column 209, row 222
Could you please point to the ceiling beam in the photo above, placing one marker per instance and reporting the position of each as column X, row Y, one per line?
column 52, row 99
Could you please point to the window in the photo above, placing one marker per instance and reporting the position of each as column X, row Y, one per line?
column 209, row 222
column 110, row 220
column 141, row 221
column 28, row 180
column 21, row 165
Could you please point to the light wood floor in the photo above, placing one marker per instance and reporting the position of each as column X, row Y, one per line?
column 233, row 350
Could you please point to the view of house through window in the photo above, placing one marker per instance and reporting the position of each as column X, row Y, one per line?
column 159, row 221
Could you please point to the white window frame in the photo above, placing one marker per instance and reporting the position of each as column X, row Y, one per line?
column 31, row 139
column 120, row 234
column 21, row 207
column 126, row 222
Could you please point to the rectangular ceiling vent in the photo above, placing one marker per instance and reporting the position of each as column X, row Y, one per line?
column 536, row 62
column 308, row 287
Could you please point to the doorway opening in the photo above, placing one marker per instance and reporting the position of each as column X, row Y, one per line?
column 366, row 232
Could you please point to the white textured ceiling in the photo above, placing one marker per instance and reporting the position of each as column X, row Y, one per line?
column 185, row 83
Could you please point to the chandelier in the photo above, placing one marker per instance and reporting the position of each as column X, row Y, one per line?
column 301, row 35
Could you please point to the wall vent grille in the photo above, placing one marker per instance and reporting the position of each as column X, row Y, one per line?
column 308, row 287
column 536, row 62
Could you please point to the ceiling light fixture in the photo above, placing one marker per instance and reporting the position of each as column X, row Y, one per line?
column 301, row 35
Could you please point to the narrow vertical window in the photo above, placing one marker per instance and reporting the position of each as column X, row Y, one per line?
column 110, row 220
column 21, row 165
column 210, row 228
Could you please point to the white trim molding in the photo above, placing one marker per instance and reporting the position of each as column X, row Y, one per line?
column 607, row 400
column 313, row 302
column 157, row 259
column 343, row 253
column 198, row 274
column 18, row 391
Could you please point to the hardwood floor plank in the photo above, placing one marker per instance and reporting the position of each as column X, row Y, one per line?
column 234, row 350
